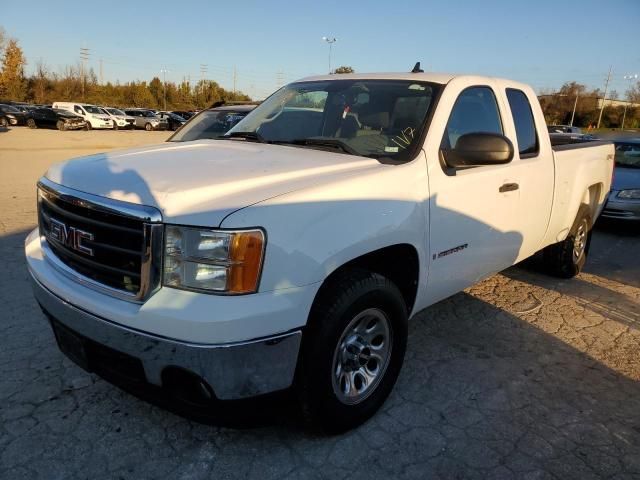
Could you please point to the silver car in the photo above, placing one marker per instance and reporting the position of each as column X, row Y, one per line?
column 624, row 198
column 147, row 119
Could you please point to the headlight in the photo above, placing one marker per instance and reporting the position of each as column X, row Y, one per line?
column 214, row 261
column 629, row 194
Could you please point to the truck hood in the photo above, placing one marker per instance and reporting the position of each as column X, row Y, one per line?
column 201, row 182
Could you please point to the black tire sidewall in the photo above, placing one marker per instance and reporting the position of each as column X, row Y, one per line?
column 326, row 326
column 31, row 123
column 559, row 257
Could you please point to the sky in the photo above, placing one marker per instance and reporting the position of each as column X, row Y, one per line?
column 268, row 43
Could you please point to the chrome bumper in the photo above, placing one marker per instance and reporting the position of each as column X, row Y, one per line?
column 233, row 371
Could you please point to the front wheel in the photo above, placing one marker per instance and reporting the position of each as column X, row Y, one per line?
column 31, row 123
column 148, row 127
column 352, row 350
column 88, row 126
column 4, row 123
column 567, row 258
column 60, row 125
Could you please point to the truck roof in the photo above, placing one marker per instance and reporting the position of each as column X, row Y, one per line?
column 441, row 78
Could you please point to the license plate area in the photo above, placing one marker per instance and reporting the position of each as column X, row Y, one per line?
column 71, row 344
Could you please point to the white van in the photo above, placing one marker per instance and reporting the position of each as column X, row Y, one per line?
column 94, row 116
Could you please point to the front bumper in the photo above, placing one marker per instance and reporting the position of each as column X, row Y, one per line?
column 233, row 371
column 620, row 209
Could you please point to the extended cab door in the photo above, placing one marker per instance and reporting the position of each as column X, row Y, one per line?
column 532, row 164
column 473, row 228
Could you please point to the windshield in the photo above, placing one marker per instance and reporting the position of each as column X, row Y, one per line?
column 8, row 108
column 92, row 109
column 628, row 155
column 372, row 118
column 115, row 111
column 208, row 125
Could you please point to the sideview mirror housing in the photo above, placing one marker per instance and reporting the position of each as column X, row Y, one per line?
column 477, row 149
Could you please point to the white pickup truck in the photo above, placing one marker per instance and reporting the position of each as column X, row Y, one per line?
column 293, row 251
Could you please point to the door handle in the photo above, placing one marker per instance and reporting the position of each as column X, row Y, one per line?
column 508, row 187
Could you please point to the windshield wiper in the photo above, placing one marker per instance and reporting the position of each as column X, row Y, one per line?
column 254, row 136
column 321, row 142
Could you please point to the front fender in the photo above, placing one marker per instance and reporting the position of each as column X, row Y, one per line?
column 312, row 232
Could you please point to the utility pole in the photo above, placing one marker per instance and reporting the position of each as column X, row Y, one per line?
column 235, row 76
column 164, row 72
column 203, row 74
column 573, row 114
column 629, row 78
column 84, row 57
column 604, row 99
column 330, row 41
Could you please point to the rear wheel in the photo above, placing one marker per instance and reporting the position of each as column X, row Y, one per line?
column 352, row 350
column 115, row 125
column 148, row 127
column 60, row 125
column 3, row 122
column 31, row 123
column 567, row 258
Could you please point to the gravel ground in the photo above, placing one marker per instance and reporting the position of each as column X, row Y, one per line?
column 521, row 376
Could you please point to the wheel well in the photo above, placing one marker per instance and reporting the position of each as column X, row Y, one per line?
column 398, row 263
column 591, row 199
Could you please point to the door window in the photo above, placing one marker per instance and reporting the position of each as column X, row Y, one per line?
column 475, row 111
column 525, row 125
column 78, row 110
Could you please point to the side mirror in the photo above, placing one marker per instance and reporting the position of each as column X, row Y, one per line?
column 476, row 149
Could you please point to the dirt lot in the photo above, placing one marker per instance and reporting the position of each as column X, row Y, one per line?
column 522, row 376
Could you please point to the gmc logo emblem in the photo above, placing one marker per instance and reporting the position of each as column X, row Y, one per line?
column 70, row 237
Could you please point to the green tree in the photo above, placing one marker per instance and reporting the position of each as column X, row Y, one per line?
column 344, row 69
column 12, row 82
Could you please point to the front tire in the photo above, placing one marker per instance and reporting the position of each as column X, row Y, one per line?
column 60, row 125
column 566, row 259
column 352, row 350
column 88, row 126
column 148, row 127
column 31, row 123
column 4, row 123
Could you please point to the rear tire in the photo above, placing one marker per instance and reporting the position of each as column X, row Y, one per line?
column 566, row 259
column 31, row 123
column 115, row 125
column 60, row 125
column 4, row 123
column 352, row 350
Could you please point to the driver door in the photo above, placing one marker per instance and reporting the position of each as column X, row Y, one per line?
column 472, row 210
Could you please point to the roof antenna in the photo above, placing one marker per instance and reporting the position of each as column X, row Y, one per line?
column 417, row 69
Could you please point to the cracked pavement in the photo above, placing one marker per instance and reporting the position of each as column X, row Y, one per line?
column 521, row 376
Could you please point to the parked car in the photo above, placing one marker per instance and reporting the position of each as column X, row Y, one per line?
column 299, row 245
column 212, row 123
column 119, row 118
column 4, row 122
column 13, row 115
column 624, row 198
column 54, row 118
column 93, row 115
column 184, row 113
column 564, row 129
column 174, row 121
column 147, row 119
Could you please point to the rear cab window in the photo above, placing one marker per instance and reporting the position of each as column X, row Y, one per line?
column 526, row 134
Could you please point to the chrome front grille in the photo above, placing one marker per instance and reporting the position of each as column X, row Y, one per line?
column 108, row 245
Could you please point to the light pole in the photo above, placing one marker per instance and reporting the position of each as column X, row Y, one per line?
column 164, row 87
column 629, row 78
column 330, row 41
